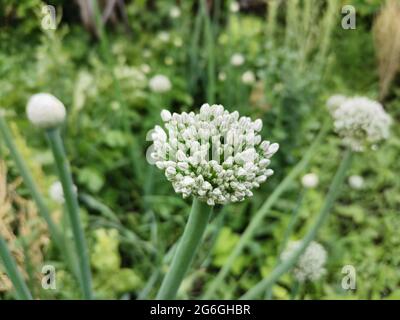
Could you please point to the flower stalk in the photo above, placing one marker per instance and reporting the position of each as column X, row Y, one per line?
column 72, row 206
column 186, row 249
column 13, row 273
column 285, row 265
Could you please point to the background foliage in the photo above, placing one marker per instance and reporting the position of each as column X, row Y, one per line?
column 300, row 56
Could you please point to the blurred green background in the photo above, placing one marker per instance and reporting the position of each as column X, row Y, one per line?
column 299, row 54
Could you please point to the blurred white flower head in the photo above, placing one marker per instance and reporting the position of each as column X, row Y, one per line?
column 147, row 53
column 334, row 102
column 361, row 122
column 311, row 264
column 145, row 68
column 160, row 83
column 310, row 180
column 178, row 42
column 164, row 36
column 169, row 61
column 45, row 111
column 234, row 6
column 237, row 59
column 248, row 77
column 222, row 76
column 239, row 158
column 175, row 12
column 56, row 192
column 356, row 182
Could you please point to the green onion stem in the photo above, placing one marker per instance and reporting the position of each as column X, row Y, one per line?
column 71, row 202
column 186, row 249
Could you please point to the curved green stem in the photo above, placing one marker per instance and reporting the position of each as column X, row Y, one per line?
column 71, row 202
column 287, row 234
column 292, row 223
column 13, row 273
column 30, row 184
column 186, row 249
column 55, row 233
column 261, row 213
column 285, row 265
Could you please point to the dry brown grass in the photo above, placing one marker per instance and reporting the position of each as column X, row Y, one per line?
column 19, row 220
column 387, row 43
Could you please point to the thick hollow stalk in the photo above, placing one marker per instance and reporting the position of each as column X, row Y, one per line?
column 186, row 249
column 13, row 273
column 285, row 265
column 72, row 206
column 256, row 221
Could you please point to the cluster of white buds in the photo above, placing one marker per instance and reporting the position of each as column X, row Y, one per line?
column 160, row 84
column 239, row 159
column 310, row 265
column 56, row 192
column 360, row 122
column 45, row 111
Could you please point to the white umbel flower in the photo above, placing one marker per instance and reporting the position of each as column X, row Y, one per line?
column 310, row 180
column 356, row 182
column 56, row 192
column 310, row 265
column 239, row 159
column 334, row 102
column 45, row 111
column 237, row 59
column 248, row 77
column 361, row 122
column 160, row 83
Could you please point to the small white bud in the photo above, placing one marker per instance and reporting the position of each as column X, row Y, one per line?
column 356, row 182
column 234, row 7
column 237, row 59
column 160, row 84
column 310, row 180
column 166, row 115
column 248, row 77
column 56, row 192
column 175, row 12
column 45, row 111
column 257, row 125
